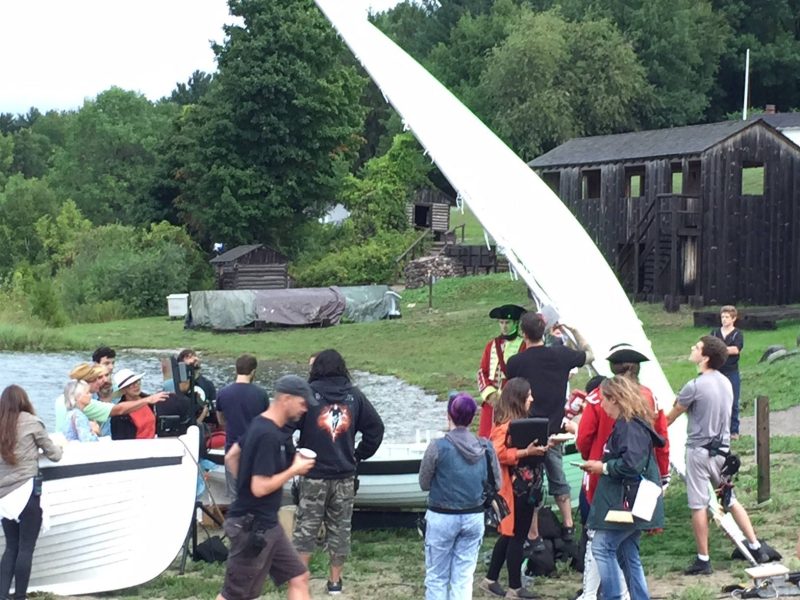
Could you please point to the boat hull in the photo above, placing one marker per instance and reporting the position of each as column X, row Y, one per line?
column 118, row 512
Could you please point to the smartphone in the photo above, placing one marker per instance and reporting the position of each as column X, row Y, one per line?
column 577, row 464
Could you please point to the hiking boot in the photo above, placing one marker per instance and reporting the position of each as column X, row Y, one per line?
column 334, row 588
column 568, row 533
column 699, row 567
column 520, row 593
column 531, row 547
column 493, row 588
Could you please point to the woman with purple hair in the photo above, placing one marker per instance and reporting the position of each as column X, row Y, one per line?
column 455, row 471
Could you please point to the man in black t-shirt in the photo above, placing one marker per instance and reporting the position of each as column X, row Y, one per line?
column 259, row 546
column 547, row 370
column 237, row 404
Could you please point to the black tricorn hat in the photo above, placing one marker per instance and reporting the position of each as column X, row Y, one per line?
column 624, row 353
column 512, row 312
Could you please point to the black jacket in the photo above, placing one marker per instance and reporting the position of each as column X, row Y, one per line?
column 330, row 428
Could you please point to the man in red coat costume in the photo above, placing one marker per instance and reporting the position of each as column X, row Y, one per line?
column 492, row 372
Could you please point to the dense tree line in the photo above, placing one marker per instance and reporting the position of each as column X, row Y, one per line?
column 289, row 126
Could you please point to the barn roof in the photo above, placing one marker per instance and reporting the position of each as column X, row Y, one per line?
column 640, row 145
column 781, row 120
column 234, row 253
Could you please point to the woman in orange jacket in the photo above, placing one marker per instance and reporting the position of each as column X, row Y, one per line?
column 520, row 487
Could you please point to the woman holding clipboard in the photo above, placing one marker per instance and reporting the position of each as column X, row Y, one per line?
column 628, row 496
column 518, row 488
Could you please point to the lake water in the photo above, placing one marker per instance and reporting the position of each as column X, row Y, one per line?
column 407, row 411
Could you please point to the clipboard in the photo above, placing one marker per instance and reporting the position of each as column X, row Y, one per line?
column 524, row 431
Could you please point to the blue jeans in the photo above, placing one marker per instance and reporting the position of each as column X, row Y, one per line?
column 451, row 553
column 616, row 552
column 736, row 384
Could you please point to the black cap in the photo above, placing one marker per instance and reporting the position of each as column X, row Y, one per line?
column 624, row 353
column 512, row 312
column 295, row 386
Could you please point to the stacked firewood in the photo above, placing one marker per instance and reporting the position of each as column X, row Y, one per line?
column 417, row 272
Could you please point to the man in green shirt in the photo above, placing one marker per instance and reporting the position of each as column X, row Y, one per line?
column 97, row 376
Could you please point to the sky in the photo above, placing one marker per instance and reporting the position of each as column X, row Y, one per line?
column 57, row 53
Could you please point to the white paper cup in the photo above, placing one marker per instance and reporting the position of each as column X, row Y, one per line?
column 306, row 453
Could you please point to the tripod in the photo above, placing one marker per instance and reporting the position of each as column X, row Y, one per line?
column 191, row 535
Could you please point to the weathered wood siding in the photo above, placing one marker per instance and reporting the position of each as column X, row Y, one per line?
column 748, row 246
column 749, row 250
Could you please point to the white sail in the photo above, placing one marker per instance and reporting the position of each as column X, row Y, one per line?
column 541, row 238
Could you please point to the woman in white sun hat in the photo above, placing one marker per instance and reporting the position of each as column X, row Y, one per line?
column 139, row 424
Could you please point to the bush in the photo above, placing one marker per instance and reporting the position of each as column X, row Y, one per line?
column 121, row 272
column 45, row 304
column 373, row 261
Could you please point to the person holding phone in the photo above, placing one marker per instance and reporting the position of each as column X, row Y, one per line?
column 628, row 460
column 521, row 488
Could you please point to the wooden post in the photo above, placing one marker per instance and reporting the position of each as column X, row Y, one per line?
column 762, row 448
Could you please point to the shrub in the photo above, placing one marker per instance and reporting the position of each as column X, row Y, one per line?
column 373, row 261
column 44, row 303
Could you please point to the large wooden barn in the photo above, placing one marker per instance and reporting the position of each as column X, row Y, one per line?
column 705, row 213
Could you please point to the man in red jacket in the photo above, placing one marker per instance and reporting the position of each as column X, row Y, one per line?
column 492, row 371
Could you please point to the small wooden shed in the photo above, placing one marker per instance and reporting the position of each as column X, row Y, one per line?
column 430, row 209
column 251, row 267
column 704, row 213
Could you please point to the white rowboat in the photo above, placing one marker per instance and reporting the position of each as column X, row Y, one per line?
column 119, row 513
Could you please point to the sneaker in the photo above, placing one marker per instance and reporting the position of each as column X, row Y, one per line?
column 699, row 567
column 520, row 593
column 533, row 546
column 334, row 588
column 568, row 533
column 493, row 588
column 760, row 555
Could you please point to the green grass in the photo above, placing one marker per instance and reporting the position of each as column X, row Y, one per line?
column 473, row 230
column 437, row 349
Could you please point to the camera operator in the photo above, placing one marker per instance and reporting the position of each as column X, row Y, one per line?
column 199, row 385
column 178, row 411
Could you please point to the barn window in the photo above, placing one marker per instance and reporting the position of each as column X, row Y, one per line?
column 590, row 184
column 552, row 179
column 753, row 179
column 634, row 182
column 676, row 180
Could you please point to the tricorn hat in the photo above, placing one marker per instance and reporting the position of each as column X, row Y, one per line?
column 512, row 312
column 625, row 353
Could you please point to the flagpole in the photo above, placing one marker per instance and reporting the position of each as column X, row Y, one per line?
column 746, row 85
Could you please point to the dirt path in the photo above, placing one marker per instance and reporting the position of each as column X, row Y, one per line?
column 781, row 422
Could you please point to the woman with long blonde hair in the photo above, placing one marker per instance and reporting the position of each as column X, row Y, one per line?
column 628, row 460
column 22, row 435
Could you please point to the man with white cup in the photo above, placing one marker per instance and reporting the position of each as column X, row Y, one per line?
column 258, row 461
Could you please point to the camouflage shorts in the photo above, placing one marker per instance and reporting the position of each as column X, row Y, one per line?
column 328, row 502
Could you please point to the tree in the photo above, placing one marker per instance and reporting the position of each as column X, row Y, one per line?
column 256, row 155
column 679, row 43
column 193, row 90
column 59, row 235
column 552, row 79
column 377, row 198
column 111, row 157
column 771, row 30
column 22, row 202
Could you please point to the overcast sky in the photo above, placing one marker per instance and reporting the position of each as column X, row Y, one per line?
column 56, row 53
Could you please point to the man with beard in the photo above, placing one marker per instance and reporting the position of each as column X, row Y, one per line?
column 492, row 370
column 328, row 491
column 100, row 412
column 259, row 546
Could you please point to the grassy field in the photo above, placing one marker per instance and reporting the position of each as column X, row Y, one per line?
column 438, row 349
